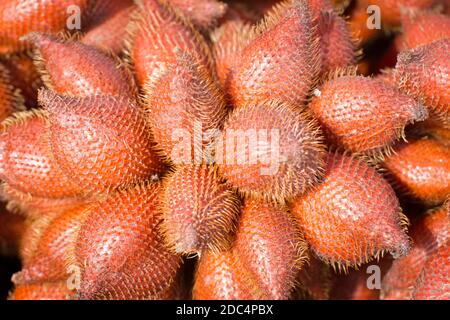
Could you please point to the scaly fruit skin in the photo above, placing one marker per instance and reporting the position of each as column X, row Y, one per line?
column 119, row 250
column 428, row 234
column 420, row 28
column 199, row 210
column 42, row 291
column 185, row 104
column 352, row 216
column 228, row 41
column 390, row 10
column 222, row 276
column 74, row 69
column 434, row 281
column 24, row 16
column 10, row 97
column 337, row 47
column 283, row 41
column 48, row 263
column 270, row 245
column 101, row 142
column 27, row 162
column 270, row 150
column 35, row 207
column 421, row 170
column 154, row 36
column 424, row 73
column 203, row 13
column 347, row 106
column 107, row 25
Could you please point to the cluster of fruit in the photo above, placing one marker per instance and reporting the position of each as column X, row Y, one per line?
column 173, row 149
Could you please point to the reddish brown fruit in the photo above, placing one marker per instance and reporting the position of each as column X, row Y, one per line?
column 434, row 281
column 35, row 207
column 20, row 17
column 420, row 28
column 421, row 169
column 228, row 42
column 107, row 26
column 222, row 276
column 120, row 251
column 186, row 108
column 269, row 244
column 48, row 263
column 362, row 114
column 337, row 47
column 10, row 98
column 352, row 216
column 101, row 142
column 27, row 162
column 282, row 60
column 424, row 73
column 200, row 212
column 429, row 233
column 270, row 150
column 43, row 291
column 155, row 35
column 75, row 69
column 203, row 13
column 34, row 228
column 390, row 10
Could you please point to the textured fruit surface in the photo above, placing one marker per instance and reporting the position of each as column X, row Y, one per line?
column 119, row 250
column 26, row 156
column 75, row 69
column 48, row 263
column 269, row 244
column 200, row 211
column 270, row 150
column 155, row 35
column 347, row 106
column 424, row 73
column 428, row 233
column 203, row 13
column 352, row 216
column 228, row 41
column 423, row 28
column 337, row 47
column 186, row 108
column 283, row 41
column 35, row 207
column 101, row 142
column 421, row 169
column 20, row 17
column 222, row 277
column 434, row 281
column 107, row 25
column 42, row 291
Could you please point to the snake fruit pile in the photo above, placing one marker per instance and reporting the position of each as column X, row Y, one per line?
column 205, row 149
